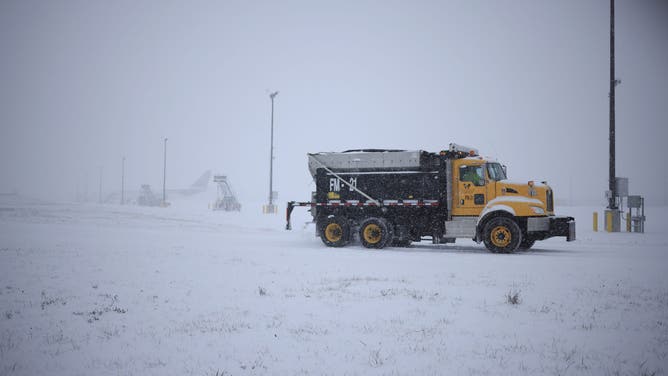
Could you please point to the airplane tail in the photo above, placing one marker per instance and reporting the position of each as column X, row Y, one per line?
column 202, row 182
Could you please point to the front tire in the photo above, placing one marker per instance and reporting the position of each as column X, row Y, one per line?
column 334, row 231
column 375, row 233
column 502, row 235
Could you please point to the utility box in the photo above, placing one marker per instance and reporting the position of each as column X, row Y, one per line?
column 635, row 202
column 612, row 220
column 622, row 186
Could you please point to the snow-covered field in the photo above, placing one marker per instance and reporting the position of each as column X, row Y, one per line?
column 120, row 290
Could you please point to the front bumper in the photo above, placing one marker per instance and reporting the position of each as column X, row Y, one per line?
column 548, row 227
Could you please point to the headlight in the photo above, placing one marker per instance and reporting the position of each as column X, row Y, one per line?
column 537, row 210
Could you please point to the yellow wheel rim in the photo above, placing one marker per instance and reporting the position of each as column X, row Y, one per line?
column 372, row 233
column 333, row 232
column 501, row 236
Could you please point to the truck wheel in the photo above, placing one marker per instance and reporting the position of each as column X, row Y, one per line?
column 526, row 244
column 502, row 235
column 375, row 233
column 334, row 231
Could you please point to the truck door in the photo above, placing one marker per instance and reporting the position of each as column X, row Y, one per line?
column 471, row 195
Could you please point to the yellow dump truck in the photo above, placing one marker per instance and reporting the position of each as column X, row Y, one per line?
column 395, row 197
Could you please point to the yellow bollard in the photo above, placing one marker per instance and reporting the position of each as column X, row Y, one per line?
column 608, row 221
column 595, row 221
column 628, row 223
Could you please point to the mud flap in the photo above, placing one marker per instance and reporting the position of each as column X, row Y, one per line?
column 288, row 213
column 571, row 231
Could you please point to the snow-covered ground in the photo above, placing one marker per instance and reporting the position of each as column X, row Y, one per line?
column 121, row 290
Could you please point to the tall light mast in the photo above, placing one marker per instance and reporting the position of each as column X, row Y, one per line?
column 270, row 208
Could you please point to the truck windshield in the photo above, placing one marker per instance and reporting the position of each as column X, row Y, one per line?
column 495, row 171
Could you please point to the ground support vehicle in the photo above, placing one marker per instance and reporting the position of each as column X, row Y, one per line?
column 395, row 197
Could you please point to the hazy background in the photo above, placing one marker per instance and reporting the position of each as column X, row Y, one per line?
column 83, row 83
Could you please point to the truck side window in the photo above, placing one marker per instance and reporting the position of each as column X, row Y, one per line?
column 473, row 174
column 496, row 171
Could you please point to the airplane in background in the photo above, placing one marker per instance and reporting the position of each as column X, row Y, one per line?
column 145, row 195
column 198, row 186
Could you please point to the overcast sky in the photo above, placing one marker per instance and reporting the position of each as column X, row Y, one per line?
column 84, row 83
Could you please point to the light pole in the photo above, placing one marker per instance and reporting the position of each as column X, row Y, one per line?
column 270, row 208
column 612, row 214
column 164, row 176
column 612, row 204
column 123, row 181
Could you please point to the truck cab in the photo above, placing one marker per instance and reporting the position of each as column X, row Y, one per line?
column 482, row 195
column 477, row 182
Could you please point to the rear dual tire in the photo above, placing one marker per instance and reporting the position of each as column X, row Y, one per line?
column 376, row 233
column 334, row 231
column 402, row 236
